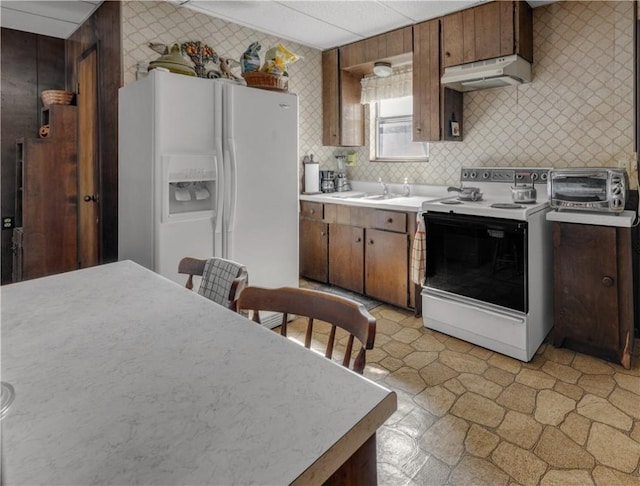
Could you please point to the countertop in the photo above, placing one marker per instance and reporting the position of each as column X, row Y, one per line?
column 625, row 219
column 123, row 377
column 412, row 203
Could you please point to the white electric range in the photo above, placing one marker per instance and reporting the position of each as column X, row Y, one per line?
column 489, row 263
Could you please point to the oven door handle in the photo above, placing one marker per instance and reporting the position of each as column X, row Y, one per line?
column 516, row 317
column 475, row 221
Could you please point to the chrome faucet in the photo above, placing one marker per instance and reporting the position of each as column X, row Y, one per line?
column 385, row 189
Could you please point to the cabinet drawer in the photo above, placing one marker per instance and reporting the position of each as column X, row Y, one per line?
column 390, row 221
column 311, row 210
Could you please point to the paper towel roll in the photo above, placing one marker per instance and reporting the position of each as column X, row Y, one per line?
column 311, row 178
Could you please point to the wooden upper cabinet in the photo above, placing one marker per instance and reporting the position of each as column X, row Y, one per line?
column 330, row 98
column 342, row 113
column 426, row 81
column 487, row 31
column 393, row 46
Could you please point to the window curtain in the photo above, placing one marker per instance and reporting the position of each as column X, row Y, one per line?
column 398, row 85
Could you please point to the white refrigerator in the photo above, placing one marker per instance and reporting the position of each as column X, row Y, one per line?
column 208, row 168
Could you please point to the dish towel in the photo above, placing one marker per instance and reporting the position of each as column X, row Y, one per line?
column 419, row 253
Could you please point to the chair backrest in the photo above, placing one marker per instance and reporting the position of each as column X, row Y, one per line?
column 222, row 280
column 341, row 312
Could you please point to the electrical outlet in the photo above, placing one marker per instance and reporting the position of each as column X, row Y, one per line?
column 8, row 222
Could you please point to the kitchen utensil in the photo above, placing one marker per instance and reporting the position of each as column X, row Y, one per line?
column 467, row 193
column 524, row 193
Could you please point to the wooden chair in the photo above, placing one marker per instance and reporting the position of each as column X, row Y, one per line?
column 312, row 304
column 222, row 280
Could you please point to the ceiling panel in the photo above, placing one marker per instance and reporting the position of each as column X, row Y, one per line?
column 53, row 18
column 322, row 24
column 418, row 11
column 364, row 18
column 277, row 19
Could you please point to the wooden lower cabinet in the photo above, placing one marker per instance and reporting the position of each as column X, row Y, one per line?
column 346, row 250
column 593, row 290
column 314, row 263
column 364, row 250
column 386, row 275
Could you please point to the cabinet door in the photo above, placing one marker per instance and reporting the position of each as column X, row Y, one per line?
column 314, row 242
column 342, row 112
column 346, row 247
column 386, row 266
column 487, row 30
column 586, row 286
column 452, row 40
column 330, row 98
column 426, row 81
column 351, row 111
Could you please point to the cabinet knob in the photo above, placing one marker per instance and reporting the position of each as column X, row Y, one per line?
column 89, row 198
column 323, row 233
column 418, row 129
column 390, row 220
column 447, row 53
column 607, row 281
column 358, row 239
column 371, row 242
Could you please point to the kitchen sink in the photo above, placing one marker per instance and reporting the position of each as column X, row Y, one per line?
column 366, row 196
column 379, row 197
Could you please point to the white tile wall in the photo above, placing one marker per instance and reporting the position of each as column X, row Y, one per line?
column 578, row 111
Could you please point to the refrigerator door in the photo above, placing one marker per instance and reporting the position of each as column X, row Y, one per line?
column 188, row 194
column 260, row 214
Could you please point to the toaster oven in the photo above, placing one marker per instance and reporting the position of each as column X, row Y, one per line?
column 588, row 189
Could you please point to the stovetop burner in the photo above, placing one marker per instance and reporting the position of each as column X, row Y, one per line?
column 497, row 202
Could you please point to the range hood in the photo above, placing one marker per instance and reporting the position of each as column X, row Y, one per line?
column 492, row 73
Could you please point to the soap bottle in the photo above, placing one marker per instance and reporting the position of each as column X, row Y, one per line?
column 406, row 190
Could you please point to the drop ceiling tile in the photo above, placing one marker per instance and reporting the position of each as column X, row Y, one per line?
column 365, row 18
column 277, row 19
column 420, row 10
column 27, row 22
column 75, row 12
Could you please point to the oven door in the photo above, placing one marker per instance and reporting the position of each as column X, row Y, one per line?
column 477, row 257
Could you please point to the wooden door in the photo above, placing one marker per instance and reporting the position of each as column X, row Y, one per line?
column 346, row 265
column 314, row 243
column 426, row 81
column 586, row 300
column 88, row 193
column 387, row 266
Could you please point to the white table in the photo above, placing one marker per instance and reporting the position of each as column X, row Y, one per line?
column 123, row 377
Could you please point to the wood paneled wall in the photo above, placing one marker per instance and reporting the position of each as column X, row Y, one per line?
column 29, row 64
column 102, row 29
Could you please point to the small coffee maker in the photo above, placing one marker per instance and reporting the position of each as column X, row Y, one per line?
column 327, row 183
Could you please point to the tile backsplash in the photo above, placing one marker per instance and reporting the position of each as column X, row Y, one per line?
column 577, row 111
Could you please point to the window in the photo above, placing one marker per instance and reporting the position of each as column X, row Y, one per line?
column 393, row 129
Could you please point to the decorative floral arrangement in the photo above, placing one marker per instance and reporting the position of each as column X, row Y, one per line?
column 200, row 54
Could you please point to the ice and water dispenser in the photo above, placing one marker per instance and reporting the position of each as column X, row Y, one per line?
column 189, row 186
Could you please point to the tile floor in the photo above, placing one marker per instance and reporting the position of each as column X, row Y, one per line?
column 469, row 416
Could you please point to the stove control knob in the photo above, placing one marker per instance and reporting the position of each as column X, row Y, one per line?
column 485, row 174
column 473, row 175
column 544, row 176
column 534, row 176
column 465, row 174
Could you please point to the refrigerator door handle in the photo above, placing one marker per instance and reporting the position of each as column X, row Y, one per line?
column 232, row 181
